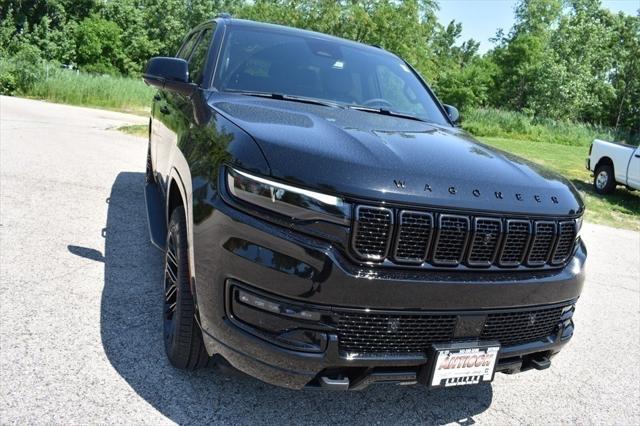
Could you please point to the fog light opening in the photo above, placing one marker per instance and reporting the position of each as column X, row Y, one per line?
column 276, row 308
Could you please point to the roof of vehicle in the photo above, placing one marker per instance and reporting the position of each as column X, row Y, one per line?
column 282, row 28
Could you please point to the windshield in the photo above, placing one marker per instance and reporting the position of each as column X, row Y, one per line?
column 257, row 60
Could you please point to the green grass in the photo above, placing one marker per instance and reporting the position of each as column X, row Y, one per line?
column 69, row 87
column 620, row 209
column 47, row 81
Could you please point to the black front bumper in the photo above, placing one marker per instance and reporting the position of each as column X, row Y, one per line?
column 236, row 250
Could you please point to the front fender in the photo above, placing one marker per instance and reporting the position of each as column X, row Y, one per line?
column 180, row 178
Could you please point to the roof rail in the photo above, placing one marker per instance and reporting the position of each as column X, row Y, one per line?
column 224, row 15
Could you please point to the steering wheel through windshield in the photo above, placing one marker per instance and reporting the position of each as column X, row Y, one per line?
column 378, row 103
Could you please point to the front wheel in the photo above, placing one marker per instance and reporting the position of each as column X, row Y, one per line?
column 604, row 182
column 182, row 335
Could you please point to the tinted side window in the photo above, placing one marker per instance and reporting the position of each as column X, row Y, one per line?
column 187, row 46
column 199, row 56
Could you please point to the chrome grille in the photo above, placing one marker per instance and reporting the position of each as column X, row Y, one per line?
column 372, row 232
column 451, row 240
column 414, row 236
column 427, row 238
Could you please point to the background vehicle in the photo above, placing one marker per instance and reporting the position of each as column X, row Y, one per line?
column 326, row 224
column 613, row 164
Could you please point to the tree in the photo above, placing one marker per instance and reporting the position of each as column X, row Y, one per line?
column 98, row 46
column 523, row 56
column 375, row 22
column 462, row 77
column 624, row 108
column 563, row 59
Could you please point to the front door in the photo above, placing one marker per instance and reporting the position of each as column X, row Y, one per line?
column 633, row 170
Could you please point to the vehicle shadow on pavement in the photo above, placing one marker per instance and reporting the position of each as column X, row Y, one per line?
column 131, row 331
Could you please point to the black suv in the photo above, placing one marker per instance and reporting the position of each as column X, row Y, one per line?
column 326, row 224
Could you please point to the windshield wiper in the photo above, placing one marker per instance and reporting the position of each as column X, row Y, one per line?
column 290, row 98
column 384, row 111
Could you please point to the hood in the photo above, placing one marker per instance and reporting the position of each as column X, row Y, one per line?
column 362, row 155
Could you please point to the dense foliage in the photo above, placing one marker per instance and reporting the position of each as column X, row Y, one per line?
column 568, row 60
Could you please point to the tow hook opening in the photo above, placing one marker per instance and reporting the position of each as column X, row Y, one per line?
column 541, row 363
column 359, row 378
column 538, row 361
column 339, row 383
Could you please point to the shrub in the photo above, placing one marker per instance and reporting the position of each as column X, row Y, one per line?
column 48, row 81
column 80, row 88
column 516, row 125
column 8, row 83
column 27, row 67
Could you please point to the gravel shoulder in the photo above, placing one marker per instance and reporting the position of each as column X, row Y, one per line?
column 80, row 308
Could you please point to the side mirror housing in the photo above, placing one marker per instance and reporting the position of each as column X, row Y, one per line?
column 169, row 74
column 454, row 114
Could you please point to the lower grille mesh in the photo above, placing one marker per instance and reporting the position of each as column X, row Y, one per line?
column 521, row 327
column 382, row 333
column 379, row 333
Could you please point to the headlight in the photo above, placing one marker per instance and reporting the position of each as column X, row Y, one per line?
column 287, row 200
column 578, row 227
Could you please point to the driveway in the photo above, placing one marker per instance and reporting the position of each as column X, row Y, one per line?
column 80, row 308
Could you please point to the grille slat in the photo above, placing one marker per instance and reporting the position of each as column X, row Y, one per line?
column 414, row 235
column 372, row 232
column 515, row 242
column 485, row 241
column 453, row 232
column 566, row 239
column 381, row 333
column 449, row 240
column 542, row 243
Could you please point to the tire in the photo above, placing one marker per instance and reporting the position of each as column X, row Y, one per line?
column 182, row 335
column 604, row 181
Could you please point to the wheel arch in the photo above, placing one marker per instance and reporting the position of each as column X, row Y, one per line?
column 604, row 161
column 177, row 196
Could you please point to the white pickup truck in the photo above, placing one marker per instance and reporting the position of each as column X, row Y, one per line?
column 613, row 164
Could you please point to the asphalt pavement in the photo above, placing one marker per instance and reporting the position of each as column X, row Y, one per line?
column 80, row 309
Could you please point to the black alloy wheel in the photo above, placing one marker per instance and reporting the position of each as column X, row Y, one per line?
column 182, row 335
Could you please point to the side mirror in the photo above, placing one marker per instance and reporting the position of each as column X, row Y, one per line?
column 169, row 74
column 454, row 115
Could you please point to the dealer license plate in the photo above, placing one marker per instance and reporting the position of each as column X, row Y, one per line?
column 464, row 366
